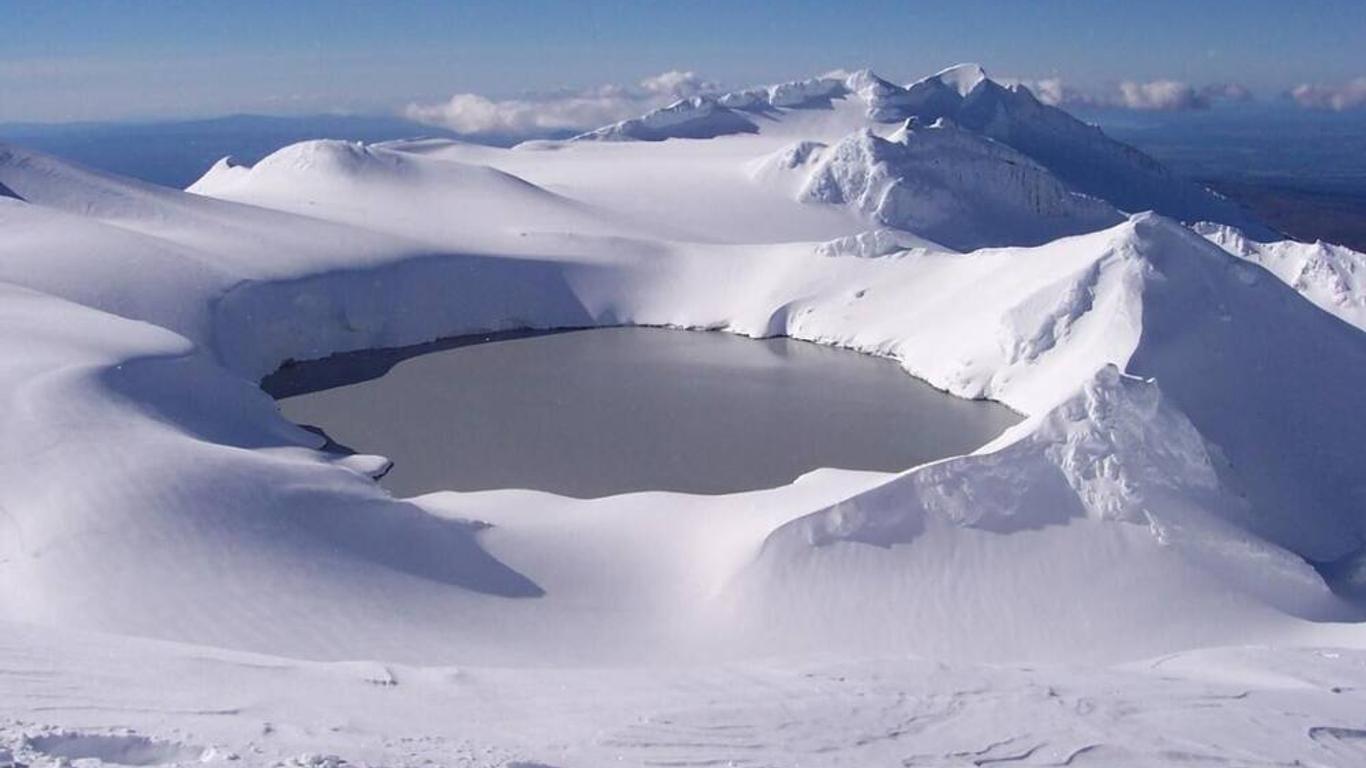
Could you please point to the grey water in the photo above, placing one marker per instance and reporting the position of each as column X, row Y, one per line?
column 592, row 413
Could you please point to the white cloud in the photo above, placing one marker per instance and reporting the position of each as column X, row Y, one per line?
column 1053, row 92
column 1350, row 95
column 472, row 113
column 1050, row 90
column 677, row 85
column 1165, row 95
column 561, row 111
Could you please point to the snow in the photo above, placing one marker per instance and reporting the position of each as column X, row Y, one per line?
column 700, row 117
column 947, row 185
column 873, row 243
column 1331, row 276
column 1080, row 155
column 1243, row 706
column 963, row 78
column 1126, row 577
column 706, row 117
column 816, row 92
column 887, row 103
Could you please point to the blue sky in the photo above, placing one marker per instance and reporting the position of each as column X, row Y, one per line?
column 155, row 59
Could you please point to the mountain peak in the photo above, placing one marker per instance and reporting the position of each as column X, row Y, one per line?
column 962, row 77
column 699, row 117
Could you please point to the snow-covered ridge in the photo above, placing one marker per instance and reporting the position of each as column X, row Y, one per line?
column 1114, row 451
column 886, row 102
column 328, row 158
column 1080, row 155
column 700, row 117
column 709, row 116
column 950, row 186
column 872, row 244
column 370, row 182
column 806, row 94
column 1331, row 276
column 44, row 180
column 963, row 78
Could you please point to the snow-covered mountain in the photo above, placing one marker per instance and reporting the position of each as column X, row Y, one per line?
column 184, row 576
column 708, row 116
column 1331, row 276
column 700, row 117
column 950, row 186
column 1078, row 154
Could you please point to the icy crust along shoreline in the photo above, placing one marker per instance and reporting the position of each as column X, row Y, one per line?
column 1192, row 441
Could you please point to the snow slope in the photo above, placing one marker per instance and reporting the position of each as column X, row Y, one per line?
column 1079, row 154
column 1331, row 276
column 944, row 184
column 350, row 178
column 700, row 117
column 706, row 117
column 1190, row 454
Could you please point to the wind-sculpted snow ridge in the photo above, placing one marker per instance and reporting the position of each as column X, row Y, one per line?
column 1206, row 317
column 813, row 93
column 1116, row 452
column 320, row 163
column 329, row 160
column 886, row 102
column 1079, row 154
column 223, row 174
column 1116, row 465
column 40, row 179
column 806, row 94
column 709, row 116
column 872, row 244
column 1331, row 276
column 700, row 117
column 953, row 187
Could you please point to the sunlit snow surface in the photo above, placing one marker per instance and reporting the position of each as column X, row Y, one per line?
column 1126, row 577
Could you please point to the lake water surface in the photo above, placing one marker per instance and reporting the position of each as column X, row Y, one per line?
column 597, row 412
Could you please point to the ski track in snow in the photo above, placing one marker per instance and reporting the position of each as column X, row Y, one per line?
column 1124, row 578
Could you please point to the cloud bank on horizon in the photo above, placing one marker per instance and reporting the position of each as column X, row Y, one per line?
column 585, row 109
column 1155, row 95
column 472, row 113
column 1351, row 95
